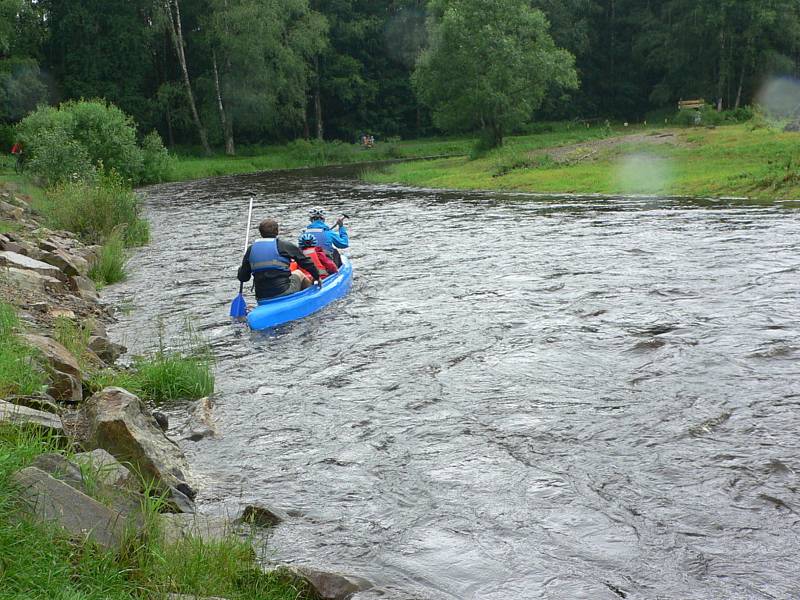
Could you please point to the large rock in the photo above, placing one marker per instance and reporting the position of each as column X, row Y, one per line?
column 65, row 387
column 69, row 264
column 120, row 423
column 50, row 499
column 99, row 476
column 176, row 527
column 57, row 356
column 331, row 586
column 19, row 261
column 31, row 281
column 262, row 516
column 84, row 287
column 22, row 415
column 105, row 349
column 9, row 211
column 201, row 423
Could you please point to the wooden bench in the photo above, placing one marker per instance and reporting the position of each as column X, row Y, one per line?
column 691, row 104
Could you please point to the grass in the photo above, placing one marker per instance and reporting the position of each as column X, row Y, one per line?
column 735, row 160
column 110, row 265
column 302, row 153
column 8, row 226
column 75, row 338
column 20, row 373
column 168, row 375
column 95, row 211
column 40, row 562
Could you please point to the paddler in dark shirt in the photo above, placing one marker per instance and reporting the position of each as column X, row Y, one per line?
column 267, row 260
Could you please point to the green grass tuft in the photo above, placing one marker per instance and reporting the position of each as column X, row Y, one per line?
column 110, row 265
column 75, row 338
column 20, row 373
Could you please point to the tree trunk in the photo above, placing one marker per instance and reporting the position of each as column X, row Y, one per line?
column 176, row 31
column 721, row 78
column 227, row 128
column 317, row 100
column 306, row 130
column 741, row 84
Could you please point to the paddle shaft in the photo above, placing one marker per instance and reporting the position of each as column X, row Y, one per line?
column 247, row 237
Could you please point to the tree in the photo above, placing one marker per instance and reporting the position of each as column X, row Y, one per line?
column 489, row 65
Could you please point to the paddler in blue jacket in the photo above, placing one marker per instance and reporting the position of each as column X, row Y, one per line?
column 268, row 262
column 328, row 239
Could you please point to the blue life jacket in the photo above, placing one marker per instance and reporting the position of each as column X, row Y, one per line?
column 323, row 239
column 264, row 257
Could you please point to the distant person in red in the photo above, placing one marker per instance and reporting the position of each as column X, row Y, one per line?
column 17, row 151
column 308, row 246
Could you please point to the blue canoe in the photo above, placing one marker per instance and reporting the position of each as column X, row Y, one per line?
column 283, row 309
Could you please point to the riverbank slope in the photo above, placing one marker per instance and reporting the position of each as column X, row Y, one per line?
column 748, row 160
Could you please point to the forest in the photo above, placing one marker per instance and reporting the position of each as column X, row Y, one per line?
column 219, row 73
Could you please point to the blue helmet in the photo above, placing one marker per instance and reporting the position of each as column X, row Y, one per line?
column 316, row 213
column 306, row 240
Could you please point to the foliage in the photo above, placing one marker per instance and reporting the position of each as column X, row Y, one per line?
column 98, row 134
column 95, row 211
column 74, row 337
column 489, row 65
column 709, row 116
column 19, row 372
column 156, row 161
column 110, row 265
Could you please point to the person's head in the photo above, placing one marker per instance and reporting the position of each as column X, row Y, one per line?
column 268, row 228
column 307, row 240
column 316, row 214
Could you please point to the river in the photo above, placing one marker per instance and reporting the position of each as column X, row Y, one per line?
column 520, row 398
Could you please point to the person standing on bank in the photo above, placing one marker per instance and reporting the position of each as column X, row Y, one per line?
column 328, row 239
column 267, row 261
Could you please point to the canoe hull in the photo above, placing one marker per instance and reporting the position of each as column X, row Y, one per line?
column 276, row 311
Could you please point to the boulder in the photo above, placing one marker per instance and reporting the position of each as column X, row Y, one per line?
column 109, row 471
column 19, row 261
column 69, row 264
column 98, row 476
column 201, row 423
column 84, row 286
column 162, row 420
column 180, row 500
column 331, row 586
column 262, row 516
column 65, row 387
column 42, row 402
column 52, row 500
column 120, row 423
column 19, row 415
column 105, row 349
column 176, row 527
column 31, row 281
column 55, row 312
column 9, row 211
column 59, row 357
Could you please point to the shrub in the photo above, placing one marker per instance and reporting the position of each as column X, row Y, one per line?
column 80, row 131
column 156, row 165
column 110, row 265
column 19, row 371
column 95, row 211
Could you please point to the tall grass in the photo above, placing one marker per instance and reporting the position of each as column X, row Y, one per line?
column 19, row 372
column 75, row 338
column 40, row 561
column 185, row 373
column 95, row 211
column 110, row 265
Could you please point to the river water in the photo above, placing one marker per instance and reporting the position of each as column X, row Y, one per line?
column 520, row 398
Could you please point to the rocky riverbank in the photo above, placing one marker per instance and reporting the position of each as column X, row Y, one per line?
column 115, row 475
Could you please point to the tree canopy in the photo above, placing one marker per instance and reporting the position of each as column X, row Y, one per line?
column 213, row 72
column 489, row 65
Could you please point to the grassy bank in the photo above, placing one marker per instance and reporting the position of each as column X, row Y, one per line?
column 736, row 160
column 188, row 164
column 40, row 561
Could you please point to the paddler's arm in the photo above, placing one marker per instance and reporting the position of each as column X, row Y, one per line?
column 340, row 239
column 245, row 273
column 289, row 250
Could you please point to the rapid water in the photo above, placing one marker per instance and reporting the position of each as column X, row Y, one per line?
column 549, row 398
